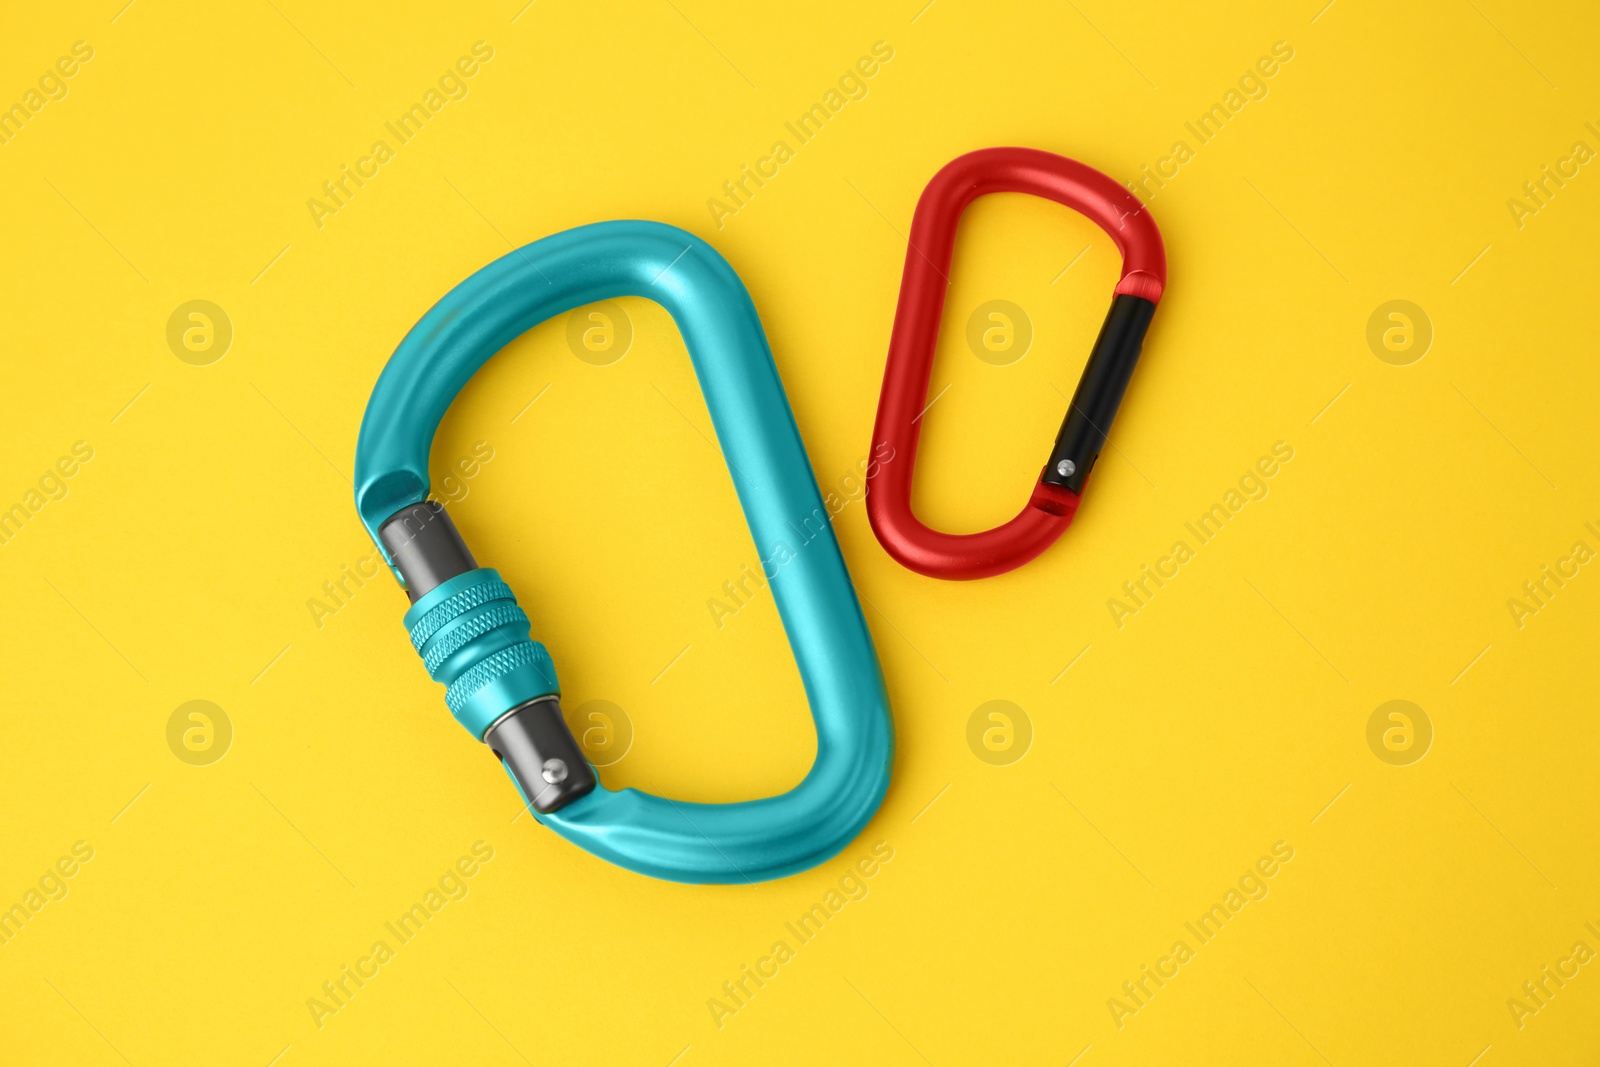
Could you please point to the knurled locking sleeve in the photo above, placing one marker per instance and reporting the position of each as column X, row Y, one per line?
column 474, row 638
column 471, row 597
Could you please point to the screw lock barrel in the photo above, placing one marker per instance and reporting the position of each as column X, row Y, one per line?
column 473, row 637
column 1099, row 394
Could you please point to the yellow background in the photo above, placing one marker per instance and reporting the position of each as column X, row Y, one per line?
column 1229, row 714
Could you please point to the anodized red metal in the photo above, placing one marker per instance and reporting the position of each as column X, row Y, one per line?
column 916, row 332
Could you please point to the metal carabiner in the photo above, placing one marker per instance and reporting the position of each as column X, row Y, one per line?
column 916, row 332
column 465, row 622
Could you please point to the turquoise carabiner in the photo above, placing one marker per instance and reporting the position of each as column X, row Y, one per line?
column 466, row 624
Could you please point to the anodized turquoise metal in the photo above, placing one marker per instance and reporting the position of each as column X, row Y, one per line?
column 473, row 637
column 749, row 841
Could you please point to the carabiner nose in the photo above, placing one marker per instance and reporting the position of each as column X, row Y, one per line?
column 1056, row 495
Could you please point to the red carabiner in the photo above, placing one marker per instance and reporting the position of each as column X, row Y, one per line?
column 916, row 331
